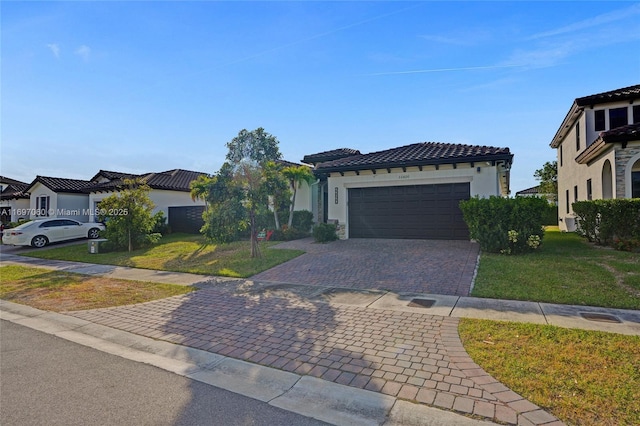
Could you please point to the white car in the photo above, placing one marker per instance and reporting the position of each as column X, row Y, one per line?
column 38, row 233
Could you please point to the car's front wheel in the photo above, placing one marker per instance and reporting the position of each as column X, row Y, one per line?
column 39, row 241
column 94, row 233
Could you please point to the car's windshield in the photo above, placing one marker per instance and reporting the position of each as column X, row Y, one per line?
column 24, row 225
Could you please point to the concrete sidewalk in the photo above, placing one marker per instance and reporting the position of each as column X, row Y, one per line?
column 345, row 356
column 621, row 321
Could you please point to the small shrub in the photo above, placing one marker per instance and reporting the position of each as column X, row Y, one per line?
column 288, row 234
column 324, row 232
column 302, row 220
column 160, row 225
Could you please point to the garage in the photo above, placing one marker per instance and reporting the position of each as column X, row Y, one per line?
column 408, row 212
column 186, row 219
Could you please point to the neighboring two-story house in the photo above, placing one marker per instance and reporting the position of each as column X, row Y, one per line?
column 598, row 150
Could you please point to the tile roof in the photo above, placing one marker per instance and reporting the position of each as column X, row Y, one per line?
column 8, row 180
column 529, row 191
column 14, row 191
column 417, row 154
column 626, row 93
column 629, row 132
column 61, row 184
column 325, row 156
column 172, row 180
column 113, row 175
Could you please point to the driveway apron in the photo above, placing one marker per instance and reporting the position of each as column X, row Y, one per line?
column 408, row 355
column 417, row 266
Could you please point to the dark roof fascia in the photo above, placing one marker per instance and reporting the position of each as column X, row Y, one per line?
column 416, row 163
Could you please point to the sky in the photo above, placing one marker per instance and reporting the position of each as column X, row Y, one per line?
column 149, row 86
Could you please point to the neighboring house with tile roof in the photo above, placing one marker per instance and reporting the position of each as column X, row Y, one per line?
column 598, row 149
column 14, row 202
column 411, row 191
column 58, row 197
column 534, row 191
column 170, row 192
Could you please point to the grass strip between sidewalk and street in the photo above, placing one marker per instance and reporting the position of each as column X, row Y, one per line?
column 60, row 291
column 565, row 270
column 582, row 377
column 181, row 253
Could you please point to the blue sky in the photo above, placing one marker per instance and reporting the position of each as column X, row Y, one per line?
column 150, row 86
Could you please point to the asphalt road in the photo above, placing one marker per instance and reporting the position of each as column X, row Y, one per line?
column 46, row 380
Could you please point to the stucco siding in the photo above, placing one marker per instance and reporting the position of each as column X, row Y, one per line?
column 162, row 199
column 39, row 190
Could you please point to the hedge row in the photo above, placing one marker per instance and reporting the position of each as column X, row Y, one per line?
column 505, row 225
column 615, row 223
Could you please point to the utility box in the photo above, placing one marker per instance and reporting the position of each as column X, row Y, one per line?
column 94, row 245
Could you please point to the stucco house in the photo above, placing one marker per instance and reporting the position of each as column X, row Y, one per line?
column 58, row 197
column 14, row 202
column 408, row 192
column 598, row 150
column 170, row 192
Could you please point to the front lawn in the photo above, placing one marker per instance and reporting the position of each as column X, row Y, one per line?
column 566, row 270
column 582, row 377
column 182, row 253
column 60, row 291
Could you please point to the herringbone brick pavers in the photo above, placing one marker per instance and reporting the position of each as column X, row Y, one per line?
column 412, row 356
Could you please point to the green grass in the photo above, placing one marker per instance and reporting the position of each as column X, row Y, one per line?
column 566, row 270
column 582, row 377
column 63, row 291
column 182, row 253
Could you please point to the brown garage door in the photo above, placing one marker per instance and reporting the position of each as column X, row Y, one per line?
column 414, row 211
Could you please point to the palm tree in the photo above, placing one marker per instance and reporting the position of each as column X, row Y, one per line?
column 296, row 175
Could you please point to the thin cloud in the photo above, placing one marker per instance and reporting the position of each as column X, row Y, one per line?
column 605, row 18
column 84, row 52
column 432, row 70
column 542, row 57
column 55, row 49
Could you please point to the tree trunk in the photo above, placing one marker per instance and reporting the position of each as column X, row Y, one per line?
column 275, row 216
column 255, row 249
column 293, row 203
column 130, row 245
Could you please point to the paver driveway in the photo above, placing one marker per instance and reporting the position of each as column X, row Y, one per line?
column 417, row 266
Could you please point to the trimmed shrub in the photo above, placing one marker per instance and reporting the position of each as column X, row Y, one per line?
column 505, row 225
column 324, row 232
column 288, row 234
column 302, row 220
column 615, row 222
